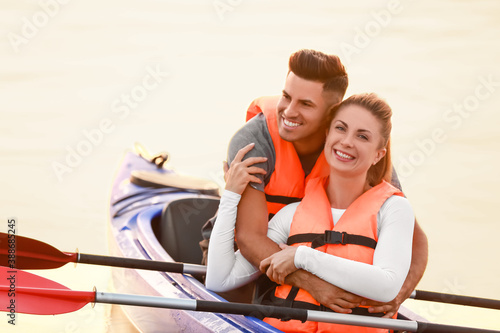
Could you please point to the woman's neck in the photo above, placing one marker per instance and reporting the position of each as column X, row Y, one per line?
column 342, row 191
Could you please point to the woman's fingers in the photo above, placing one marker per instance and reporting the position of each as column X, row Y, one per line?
column 264, row 265
column 242, row 152
column 254, row 170
column 225, row 168
column 241, row 172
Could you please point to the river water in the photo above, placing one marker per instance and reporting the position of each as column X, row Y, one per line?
column 81, row 81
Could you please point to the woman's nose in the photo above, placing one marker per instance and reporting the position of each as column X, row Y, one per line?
column 346, row 140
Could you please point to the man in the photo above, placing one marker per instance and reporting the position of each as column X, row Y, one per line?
column 291, row 132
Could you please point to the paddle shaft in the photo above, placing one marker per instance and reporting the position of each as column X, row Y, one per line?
column 34, row 254
column 24, row 292
column 262, row 311
column 456, row 299
column 164, row 266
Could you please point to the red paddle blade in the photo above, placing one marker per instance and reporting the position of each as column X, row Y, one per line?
column 23, row 292
column 27, row 253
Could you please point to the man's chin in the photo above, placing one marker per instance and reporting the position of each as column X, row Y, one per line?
column 286, row 135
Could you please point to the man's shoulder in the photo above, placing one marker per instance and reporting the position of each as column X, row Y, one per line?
column 254, row 131
column 256, row 126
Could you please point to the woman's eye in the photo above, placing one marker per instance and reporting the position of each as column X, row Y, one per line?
column 340, row 128
column 363, row 137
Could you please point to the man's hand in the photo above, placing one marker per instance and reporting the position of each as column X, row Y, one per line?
column 390, row 308
column 325, row 293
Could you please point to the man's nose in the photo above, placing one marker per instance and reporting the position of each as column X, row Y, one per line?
column 291, row 110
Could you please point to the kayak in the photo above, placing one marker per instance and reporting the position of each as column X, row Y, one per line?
column 157, row 214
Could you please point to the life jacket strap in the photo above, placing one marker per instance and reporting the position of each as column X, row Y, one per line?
column 332, row 237
column 281, row 199
column 272, row 299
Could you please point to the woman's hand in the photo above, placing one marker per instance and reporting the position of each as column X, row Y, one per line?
column 279, row 265
column 242, row 172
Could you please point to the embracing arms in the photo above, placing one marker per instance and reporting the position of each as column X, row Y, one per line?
column 380, row 280
column 251, row 235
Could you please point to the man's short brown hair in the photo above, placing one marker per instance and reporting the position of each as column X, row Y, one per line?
column 317, row 66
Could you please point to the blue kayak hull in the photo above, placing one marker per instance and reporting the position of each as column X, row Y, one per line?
column 132, row 210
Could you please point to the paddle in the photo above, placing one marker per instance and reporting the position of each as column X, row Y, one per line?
column 456, row 299
column 37, row 295
column 34, row 254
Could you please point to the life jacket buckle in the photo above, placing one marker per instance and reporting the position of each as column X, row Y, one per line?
column 335, row 237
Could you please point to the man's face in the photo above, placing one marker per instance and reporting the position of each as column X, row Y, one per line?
column 301, row 112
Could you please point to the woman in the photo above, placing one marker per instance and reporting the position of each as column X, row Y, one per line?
column 352, row 229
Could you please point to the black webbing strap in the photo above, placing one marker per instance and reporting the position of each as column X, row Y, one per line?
column 291, row 297
column 272, row 299
column 332, row 237
column 281, row 199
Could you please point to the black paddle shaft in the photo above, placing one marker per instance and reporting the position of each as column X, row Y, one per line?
column 457, row 299
column 254, row 310
column 440, row 328
column 130, row 263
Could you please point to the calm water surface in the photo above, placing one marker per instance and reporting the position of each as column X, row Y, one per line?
column 80, row 82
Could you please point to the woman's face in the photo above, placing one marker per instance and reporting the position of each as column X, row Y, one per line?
column 353, row 143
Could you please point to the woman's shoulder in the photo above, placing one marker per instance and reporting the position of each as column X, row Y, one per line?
column 290, row 208
column 285, row 214
column 396, row 204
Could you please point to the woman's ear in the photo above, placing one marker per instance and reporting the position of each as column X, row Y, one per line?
column 380, row 154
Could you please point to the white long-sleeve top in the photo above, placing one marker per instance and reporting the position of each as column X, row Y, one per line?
column 381, row 281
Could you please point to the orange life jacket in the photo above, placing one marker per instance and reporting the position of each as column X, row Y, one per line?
column 353, row 237
column 288, row 181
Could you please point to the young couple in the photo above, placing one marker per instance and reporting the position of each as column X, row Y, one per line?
column 345, row 239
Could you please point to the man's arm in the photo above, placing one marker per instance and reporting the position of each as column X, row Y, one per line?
column 251, row 236
column 251, row 227
column 417, row 269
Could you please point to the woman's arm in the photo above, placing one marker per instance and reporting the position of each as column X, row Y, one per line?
column 226, row 269
column 380, row 281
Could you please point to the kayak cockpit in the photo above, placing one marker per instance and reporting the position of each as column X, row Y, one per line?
column 178, row 229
